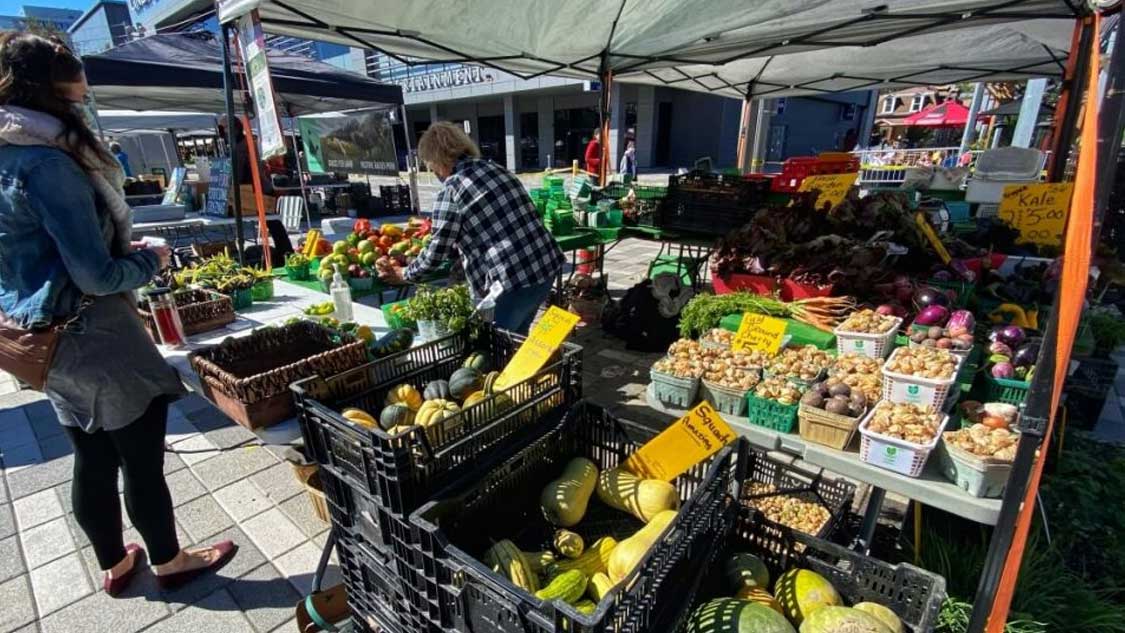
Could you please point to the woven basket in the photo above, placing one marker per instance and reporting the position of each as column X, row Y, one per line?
column 309, row 476
column 828, row 429
column 200, row 311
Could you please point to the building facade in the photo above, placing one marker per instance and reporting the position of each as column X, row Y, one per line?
column 104, row 25
column 57, row 19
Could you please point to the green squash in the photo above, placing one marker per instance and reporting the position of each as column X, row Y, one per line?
column 883, row 614
column 727, row 615
column 832, row 619
column 802, row 592
column 397, row 414
column 392, row 342
column 745, row 570
column 437, row 390
column 464, row 381
column 477, row 361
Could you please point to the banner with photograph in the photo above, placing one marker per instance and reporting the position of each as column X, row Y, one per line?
column 252, row 42
column 359, row 143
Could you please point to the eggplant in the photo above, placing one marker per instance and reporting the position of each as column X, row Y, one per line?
column 926, row 296
column 1026, row 355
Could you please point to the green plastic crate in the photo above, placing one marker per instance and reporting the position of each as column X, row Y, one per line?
column 394, row 319
column 1003, row 390
column 771, row 414
column 672, row 264
column 798, row 333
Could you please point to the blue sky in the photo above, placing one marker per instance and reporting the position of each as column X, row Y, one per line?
column 14, row 7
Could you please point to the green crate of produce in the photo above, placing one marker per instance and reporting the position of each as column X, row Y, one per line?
column 771, row 414
column 392, row 312
column 968, row 372
column 798, row 333
column 1003, row 390
column 965, row 290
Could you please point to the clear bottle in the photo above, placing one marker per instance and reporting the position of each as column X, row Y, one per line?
column 341, row 296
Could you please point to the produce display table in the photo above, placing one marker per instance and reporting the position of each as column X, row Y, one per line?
column 931, row 488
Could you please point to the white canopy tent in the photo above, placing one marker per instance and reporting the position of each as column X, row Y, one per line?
column 122, row 121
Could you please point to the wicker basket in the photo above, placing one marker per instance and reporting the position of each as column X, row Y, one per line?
column 248, row 378
column 310, row 479
column 828, row 429
column 200, row 311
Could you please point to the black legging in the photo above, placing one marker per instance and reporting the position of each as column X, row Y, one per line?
column 138, row 449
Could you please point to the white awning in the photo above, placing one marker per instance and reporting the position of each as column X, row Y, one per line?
column 122, row 121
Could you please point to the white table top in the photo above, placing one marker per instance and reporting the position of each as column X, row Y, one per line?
column 288, row 301
column 931, row 488
column 199, row 219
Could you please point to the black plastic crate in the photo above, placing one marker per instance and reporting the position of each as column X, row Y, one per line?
column 1087, row 390
column 692, row 215
column 401, row 472
column 718, row 188
column 375, row 592
column 834, row 494
column 502, row 501
column 914, row 594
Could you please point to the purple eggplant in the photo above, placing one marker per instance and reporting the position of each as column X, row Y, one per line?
column 926, row 296
column 1026, row 355
column 934, row 315
column 1010, row 335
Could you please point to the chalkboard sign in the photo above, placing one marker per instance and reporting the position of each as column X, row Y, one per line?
column 219, row 188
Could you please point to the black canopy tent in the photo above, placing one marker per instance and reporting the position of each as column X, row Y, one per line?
column 184, row 71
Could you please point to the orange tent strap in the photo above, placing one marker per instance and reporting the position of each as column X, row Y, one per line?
column 1072, row 289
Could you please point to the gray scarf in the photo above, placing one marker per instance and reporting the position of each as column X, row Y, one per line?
column 21, row 126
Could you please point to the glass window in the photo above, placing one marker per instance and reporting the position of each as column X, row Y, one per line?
column 888, row 105
column 917, row 102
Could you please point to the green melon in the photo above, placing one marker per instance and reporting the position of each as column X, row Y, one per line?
column 832, row 619
column 883, row 614
column 465, row 381
column 393, row 415
column 746, row 570
column 802, row 592
column 437, row 390
column 727, row 615
column 477, row 361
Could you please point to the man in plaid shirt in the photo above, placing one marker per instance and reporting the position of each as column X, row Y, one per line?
column 484, row 214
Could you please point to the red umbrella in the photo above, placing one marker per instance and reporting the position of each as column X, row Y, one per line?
column 945, row 114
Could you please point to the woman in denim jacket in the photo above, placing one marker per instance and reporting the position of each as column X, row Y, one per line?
column 65, row 252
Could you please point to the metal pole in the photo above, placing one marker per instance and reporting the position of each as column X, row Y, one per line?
column 1037, row 410
column 1029, row 113
column 228, row 97
column 411, row 171
column 1110, row 128
column 971, row 123
column 297, row 159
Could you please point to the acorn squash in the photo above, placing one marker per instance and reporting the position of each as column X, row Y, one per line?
column 465, row 381
column 404, row 394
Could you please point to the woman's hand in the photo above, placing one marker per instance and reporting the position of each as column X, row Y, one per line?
column 164, row 253
column 392, row 275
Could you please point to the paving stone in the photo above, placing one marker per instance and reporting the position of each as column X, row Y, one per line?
column 278, row 482
column 16, row 458
column 135, row 608
column 46, row 542
column 195, row 449
column 216, row 613
column 59, row 583
column 32, row 479
column 227, row 468
column 184, row 487
column 55, row 447
column 15, row 604
column 273, row 533
column 246, row 559
column 44, row 421
column 299, row 566
column 202, row 518
column 288, row 626
column 38, row 508
column 80, row 538
column 15, row 428
column 208, row 419
column 190, row 404
column 11, row 559
column 178, row 428
column 173, row 463
column 242, row 499
column 300, row 510
column 7, row 521
column 30, row 628
column 229, row 436
column 265, row 597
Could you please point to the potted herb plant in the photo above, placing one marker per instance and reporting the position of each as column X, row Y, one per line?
column 297, row 267
column 439, row 311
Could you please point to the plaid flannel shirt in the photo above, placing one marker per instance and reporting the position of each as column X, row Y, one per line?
column 485, row 214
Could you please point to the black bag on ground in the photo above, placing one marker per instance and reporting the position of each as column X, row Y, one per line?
column 637, row 320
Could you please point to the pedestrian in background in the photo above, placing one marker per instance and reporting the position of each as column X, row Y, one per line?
column 68, row 262
column 594, row 156
column 628, row 165
column 122, row 157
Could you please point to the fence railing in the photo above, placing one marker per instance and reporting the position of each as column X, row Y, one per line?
column 888, row 166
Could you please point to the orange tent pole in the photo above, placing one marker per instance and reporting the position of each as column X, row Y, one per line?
column 1072, row 293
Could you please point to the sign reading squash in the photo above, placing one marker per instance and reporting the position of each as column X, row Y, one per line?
column 1037, row 211
column 692, row 439
column 760, row 333
column 545, row 337
column 832, row 188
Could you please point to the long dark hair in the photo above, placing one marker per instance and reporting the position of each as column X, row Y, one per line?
column 30, row 68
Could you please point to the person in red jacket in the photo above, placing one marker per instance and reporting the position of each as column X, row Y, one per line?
column 594, row 156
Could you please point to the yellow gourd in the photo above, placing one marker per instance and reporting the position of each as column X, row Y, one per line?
column 473, row 398
column 432, row 416
column 599, row 586
column 564, row 500
column 628, row 553
column 406, row 394
column 569, row 544
column 592, row 561
column 642, row 498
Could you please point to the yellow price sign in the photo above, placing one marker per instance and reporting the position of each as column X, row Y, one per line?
column 832, row 188
column 759, row 332
column 935, row 241
column 545, row 337
column 690, row 440
column 1037, row 211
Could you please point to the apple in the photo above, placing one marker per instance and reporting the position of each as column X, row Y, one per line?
column 325, row 274
column 368, row 258
column 365, row 247
column 339, row 248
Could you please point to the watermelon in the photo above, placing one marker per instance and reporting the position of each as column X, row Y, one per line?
column 727, row 615
column 834, row 619
column 802, row 592
column 746, row 570
column 761, row 596
column 883, row 614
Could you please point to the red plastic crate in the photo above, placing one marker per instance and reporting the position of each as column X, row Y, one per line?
column 737, row 282
column 792, row 290
column 796, row 169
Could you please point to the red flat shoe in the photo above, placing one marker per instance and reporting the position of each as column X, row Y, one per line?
column 114, row 586
column 226, row 549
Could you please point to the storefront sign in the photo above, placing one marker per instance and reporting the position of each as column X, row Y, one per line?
column 760, row 333
column 545, row 337
column 252, row 42
column 460, row 76
column 1037, row 211
column 832, row 187
column 701, row 433
column 360, row 143
column 218, row 188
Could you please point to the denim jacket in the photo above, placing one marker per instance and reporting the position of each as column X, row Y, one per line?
column 54, row 239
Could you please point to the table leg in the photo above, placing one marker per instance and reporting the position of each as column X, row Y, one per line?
column 870, row 518
column 322, row 566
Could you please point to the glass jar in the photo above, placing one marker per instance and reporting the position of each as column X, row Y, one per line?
column 162, row 307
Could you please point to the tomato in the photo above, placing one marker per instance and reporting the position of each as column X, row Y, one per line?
column 386, row 241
